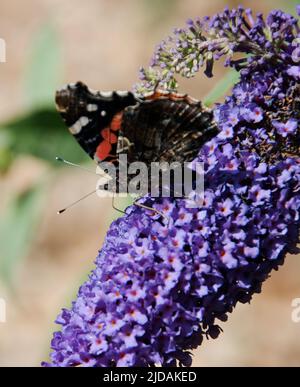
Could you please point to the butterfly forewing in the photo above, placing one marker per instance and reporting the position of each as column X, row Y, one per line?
column 94, row 118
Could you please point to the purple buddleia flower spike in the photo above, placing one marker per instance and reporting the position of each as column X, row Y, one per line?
column 160, row 286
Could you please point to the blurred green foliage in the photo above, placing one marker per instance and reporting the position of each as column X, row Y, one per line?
column 289, row 6
column 43, row 72
column 221, row 88
column 18, row 226
column 38, row 132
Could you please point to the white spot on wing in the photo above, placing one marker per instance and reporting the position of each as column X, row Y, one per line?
column 106, row 94
column 92, row 107
column 122, row 93
column 79, row 124
column 92, row 91
column 84, row 121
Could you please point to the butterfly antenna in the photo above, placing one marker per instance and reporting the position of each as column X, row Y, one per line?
column 60, row 159
column 77, row 201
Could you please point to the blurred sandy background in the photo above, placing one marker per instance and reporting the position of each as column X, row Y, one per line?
column 45, row 259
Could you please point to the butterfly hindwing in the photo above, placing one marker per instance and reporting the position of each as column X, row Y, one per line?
column 167, row 127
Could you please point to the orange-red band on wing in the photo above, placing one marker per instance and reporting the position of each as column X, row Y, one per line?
column 116, row 121
column 109, row 136
column 103, row 150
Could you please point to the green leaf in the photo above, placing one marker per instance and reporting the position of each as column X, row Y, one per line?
column 18, row 226
column 41, row 133
column 43, row 73
column 5, row 154
column 221, row 87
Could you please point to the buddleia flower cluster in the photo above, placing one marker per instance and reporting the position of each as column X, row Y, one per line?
column 159, row 287
column 256, row 41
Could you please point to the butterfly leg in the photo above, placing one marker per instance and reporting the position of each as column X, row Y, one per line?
column 114, row 206
column 154, row 210
column 135, row 203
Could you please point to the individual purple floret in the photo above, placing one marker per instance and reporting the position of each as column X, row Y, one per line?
column 160, row 286
column 284, row 129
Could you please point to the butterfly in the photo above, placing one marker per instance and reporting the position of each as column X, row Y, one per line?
column 160, row 126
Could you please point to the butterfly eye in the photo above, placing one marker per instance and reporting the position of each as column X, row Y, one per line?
column 103, row 113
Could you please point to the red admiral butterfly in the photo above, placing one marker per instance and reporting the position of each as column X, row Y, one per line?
column 160, row 126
